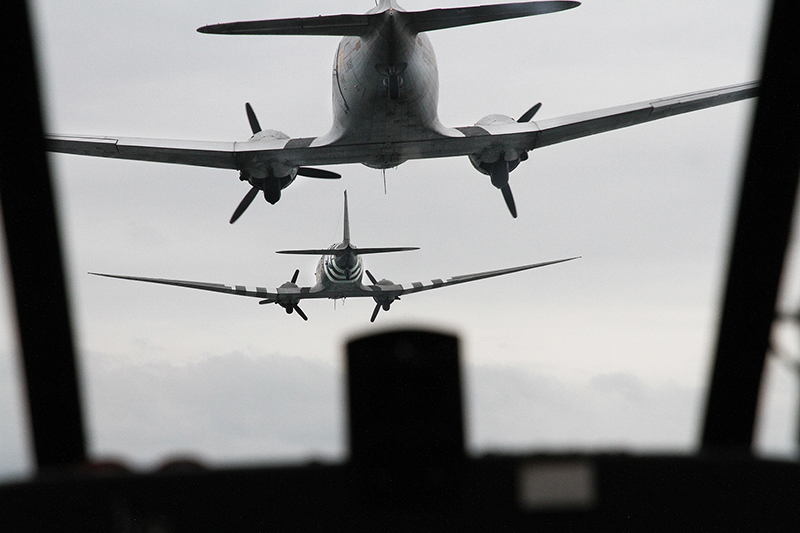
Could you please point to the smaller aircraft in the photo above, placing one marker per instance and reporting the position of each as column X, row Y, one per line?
column 339, row 274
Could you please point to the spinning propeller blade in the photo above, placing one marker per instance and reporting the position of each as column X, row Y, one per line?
column 309, row 172
column 244, row 204
column 499, row 174
column 272, row 185
column 529, row 113
column 251, row 117
column 509, row 198
column 300, row 312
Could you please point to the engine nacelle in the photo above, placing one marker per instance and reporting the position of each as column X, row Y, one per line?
column 497, row 161
column 273, row 177
column 269, row 135
column 385, row 301
column 492, row 120
column 483, row 161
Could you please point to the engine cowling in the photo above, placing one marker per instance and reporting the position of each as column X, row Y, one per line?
column 382, row 301
column 269, row 135
column 273, row 177
column 483, row 161
column 498, row 161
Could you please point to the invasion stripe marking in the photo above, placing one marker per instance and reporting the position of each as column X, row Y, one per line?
column 240, row 288
column 303, row 142
column 261, row 290
column 473, row 131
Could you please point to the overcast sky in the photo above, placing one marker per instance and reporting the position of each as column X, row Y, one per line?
column 609, row 351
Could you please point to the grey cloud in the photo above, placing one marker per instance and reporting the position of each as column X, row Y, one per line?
column 241, row 407
column 245, row 408
column 227, row 408
column 512, row 408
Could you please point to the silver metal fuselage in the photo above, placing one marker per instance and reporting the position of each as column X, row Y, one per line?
column 364, row 109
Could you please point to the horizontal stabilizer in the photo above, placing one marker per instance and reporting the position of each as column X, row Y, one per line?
column 439, row 19
column 357, row 251
column 338, row 25
column 417, row 21
column 363, row 251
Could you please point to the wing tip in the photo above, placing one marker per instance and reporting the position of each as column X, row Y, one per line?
column 209, row 28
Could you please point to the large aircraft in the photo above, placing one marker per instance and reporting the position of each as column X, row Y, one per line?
column 338, row 274
column 385, row 101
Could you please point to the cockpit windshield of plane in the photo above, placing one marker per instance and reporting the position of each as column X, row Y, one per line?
column 611, row 351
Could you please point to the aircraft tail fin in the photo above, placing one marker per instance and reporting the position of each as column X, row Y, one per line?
column 439, row 19
column 345, row 247
column 346, row 236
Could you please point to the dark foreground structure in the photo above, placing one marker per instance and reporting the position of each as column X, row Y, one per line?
column 407, row 468
column 408, row 472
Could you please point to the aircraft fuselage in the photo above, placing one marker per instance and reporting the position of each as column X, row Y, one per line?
column 385, row 87
column 342, row 272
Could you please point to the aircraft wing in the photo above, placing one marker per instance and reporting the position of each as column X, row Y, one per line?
column 238, row 290
column 282, row 294
column 295, row 293
column 197, row 153
column 526, row 136
column 469, row 140
column 394, row 290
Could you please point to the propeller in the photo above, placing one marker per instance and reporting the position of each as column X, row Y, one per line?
column 500, row 169
column 285, row 301
column 299, row 311
column 377, row 304
column 375, row 312
column 251, row 117
column 271, row 185
column 244, row 204
column 526, row 117
column 499, row 174
column 509, row 198
column 301, row 171
column 294, row 307
column 529, row 113
column 309, row 172
column 384, row 302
